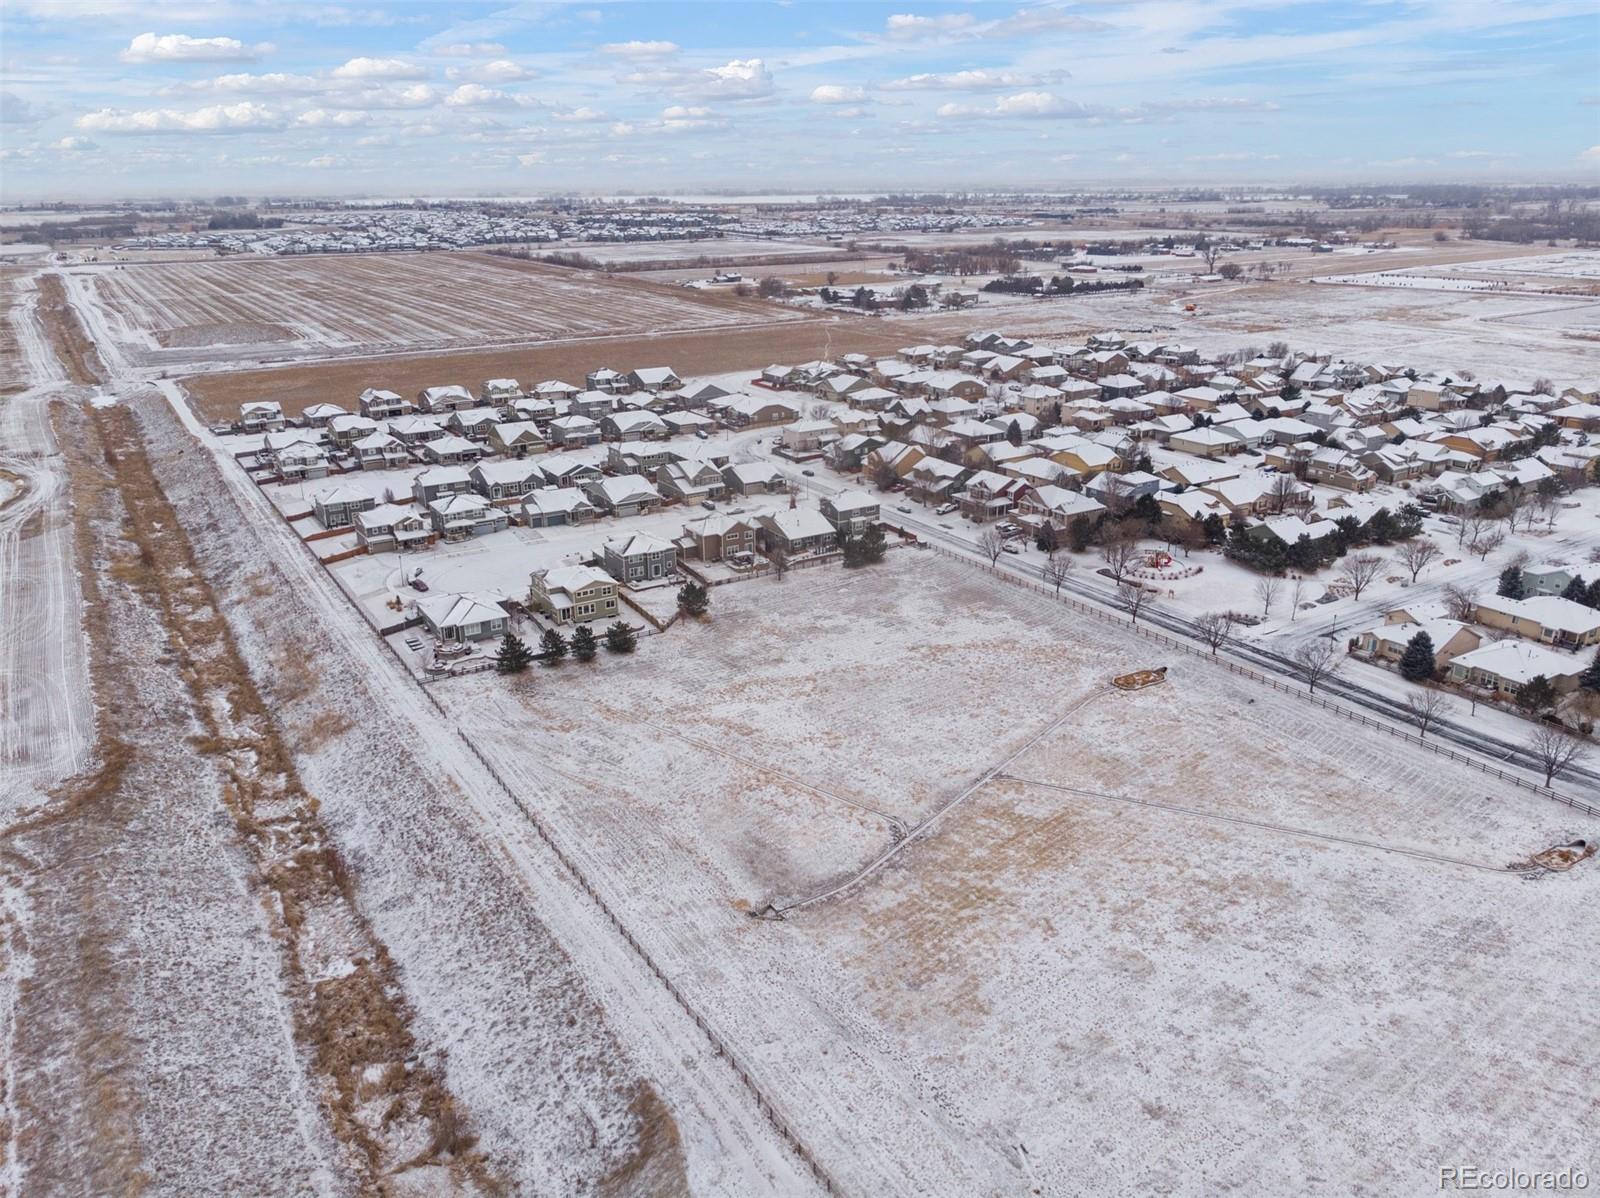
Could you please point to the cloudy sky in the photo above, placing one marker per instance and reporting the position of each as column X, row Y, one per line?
column 128, row 97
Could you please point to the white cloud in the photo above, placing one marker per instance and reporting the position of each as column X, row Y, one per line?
column 274, row 83
column 1026, row 22
column 76, row 145
column 640, row 50
column 416, row 95
column 976, row 80
column 180, row 47
column 501, row 70
column 580, row 116
column 218, row 118
column 475, row 95
column 834, row 93
column 1025, row 105
column 324, row 161
column 1233, row 156
column 380, row 68
column 321, row 118
column 470, row 50
column 907, row 27
column 1473, row 154
column 680, row 112
column 14, row 110
column 740, row 79
column 534, row 159
column 1591, row 152
column 1212, row 104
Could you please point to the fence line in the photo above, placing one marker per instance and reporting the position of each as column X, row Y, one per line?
column 1243, row 671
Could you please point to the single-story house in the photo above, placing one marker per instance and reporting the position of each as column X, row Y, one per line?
column 451, row 450
column 1546, row 618
column 754, row 478
column 623, row 494
column 462, row 618
column 631, row 426
column 1510, row 665
column 550, row 506
column 1450, row 638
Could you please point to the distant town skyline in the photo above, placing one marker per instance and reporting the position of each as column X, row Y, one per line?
column 105, row 98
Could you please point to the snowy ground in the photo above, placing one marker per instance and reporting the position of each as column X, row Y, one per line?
column 1128, row 994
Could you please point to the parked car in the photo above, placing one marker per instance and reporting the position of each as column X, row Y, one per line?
column 702, row 434
column 418, row 585
column 708, row 505
column 903, row 508
column 809, row 473
column 944, row 509
column 1010, row 547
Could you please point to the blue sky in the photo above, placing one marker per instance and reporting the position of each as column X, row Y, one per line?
column 130, row 97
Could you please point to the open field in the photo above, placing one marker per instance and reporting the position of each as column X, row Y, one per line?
column 1233, row 901
column 218, row 396
column 378, row 301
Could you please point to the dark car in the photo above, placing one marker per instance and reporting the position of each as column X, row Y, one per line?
column 418, row 585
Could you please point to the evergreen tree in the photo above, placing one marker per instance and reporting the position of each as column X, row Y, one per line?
column 1381, row 528
column 1216, row 530
column 552, row 646
column 1045, row 540
column 1417, row 662
column 1014, row 433
column 620, row 638
column 514, row 655
column 1537, row 694
column 1594, row 594
column 1147, row 509
column 1409, row 522
column 1577, row 590
column 1511, row 584
column 1589, row 680
column 584, row 646
column 693, row 599
column 872, row 545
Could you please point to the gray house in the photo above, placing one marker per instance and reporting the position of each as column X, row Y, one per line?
column 850, row 512
column 337, row 506
column 640, row 558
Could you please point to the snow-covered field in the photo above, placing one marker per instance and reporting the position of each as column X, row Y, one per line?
column 380, row 301
column 1245, row 941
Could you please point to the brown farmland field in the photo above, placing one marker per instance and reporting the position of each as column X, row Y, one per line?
column 692, row 354
column 376, row 302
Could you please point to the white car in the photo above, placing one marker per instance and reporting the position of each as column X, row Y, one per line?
column 1010, row 547
column 944, row 509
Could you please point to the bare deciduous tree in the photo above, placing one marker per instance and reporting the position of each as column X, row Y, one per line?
column 1555, row 749
column 1427, row 708
column 1461, row 603
column 1267, row 588
column 991, row 544
column 1295, row 595
column 1215, row 627
column 1284, row 492
column 1416, row 555
column 1120, row 554
column 1487, row 541
column 1359, row 570
column 1317, row 659
column 779, row 557
column 1057, row 570
column 1133, row 599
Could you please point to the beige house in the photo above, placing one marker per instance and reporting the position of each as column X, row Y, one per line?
column 1450, row 638
column 1548, row 619
column 573, row 594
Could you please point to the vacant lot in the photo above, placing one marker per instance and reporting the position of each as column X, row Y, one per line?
column 1190, row 931
column 380, row 301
